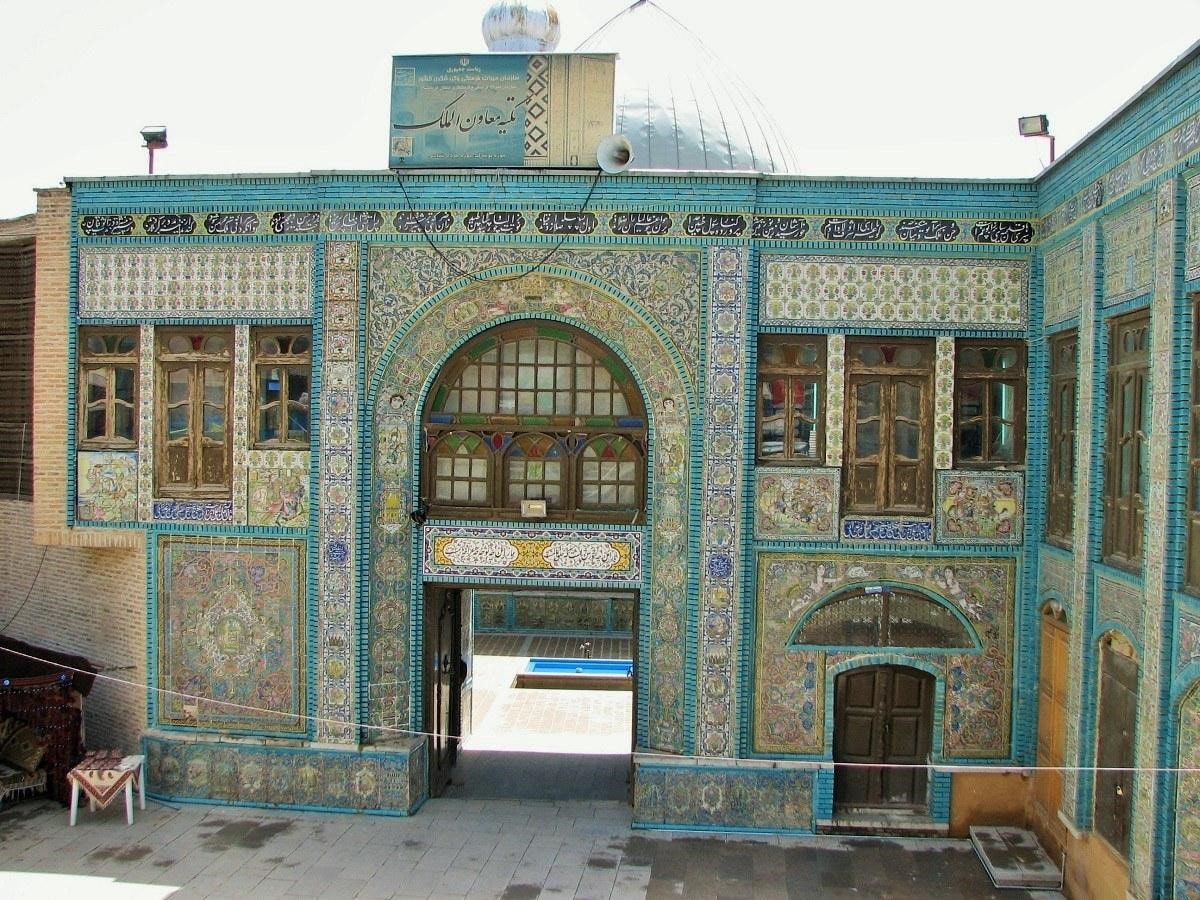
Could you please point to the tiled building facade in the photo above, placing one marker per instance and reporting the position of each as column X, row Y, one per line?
column 946, row 355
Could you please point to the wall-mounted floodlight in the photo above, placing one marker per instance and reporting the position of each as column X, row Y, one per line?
column 1036, row 126
column 155, row 137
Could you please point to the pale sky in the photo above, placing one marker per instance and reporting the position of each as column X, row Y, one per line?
column 859, row 87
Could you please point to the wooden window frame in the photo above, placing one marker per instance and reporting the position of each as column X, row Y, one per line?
column 966, row 375
column 1123, row 542
column 1060, row 441
column 1192, row 568
column 793, row 372
column 167, row 361
column 107, row 364
column 890, row 375
column 285, row 362
column 500, row 429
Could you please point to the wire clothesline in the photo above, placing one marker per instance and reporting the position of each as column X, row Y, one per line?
column 942, row 767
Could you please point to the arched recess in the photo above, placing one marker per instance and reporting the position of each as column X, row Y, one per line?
column 885, row 615
column 1186, row 874
column 398, row 388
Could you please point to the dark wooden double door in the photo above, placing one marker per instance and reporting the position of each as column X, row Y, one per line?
column 444, row 673
column 883, row 726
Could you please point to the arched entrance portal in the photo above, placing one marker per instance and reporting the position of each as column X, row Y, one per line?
column 883, row 729
column 539, row 432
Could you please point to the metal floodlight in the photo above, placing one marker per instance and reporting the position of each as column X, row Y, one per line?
column 1036, row 126
column 155, row 137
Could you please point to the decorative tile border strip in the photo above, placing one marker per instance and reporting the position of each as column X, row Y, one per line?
column 544, row 553
column 151, row 283
column 887, row 530
column 339, row 403
column 146, row 422
column 720, row 575
column 729, row 798
column 1188, row 631
column 871, row 290
column 943, row 404
column 622, row 223
column 387, row 782
column 835, row 387
column 242, row 380
column 1192, row 250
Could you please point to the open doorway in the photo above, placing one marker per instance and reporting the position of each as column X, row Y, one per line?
column 530, row 692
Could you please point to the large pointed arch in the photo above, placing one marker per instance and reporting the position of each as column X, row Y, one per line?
column 398, row 390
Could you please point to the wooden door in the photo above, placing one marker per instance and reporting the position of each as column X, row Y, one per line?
column 883, row 718
column 443, row 680
column 1052, row 714
column 1114, row 743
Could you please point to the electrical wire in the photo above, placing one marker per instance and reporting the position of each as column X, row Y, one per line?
column 28, row 593
column 455, row 270
column 817, row 764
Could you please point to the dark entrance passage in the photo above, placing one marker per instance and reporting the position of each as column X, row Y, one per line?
column 492, row 735
column 883, row 716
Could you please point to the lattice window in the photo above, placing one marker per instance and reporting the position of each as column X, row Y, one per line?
column 535, row 411
column 889, row 435
column 1126, row 457
column 1060, row 479
column 108, row 368
column 880, row 616
column 989, row 403
column 193, row 457
column 282, row 380
column 791, row 399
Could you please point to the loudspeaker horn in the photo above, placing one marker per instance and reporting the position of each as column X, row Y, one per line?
column 614, row 154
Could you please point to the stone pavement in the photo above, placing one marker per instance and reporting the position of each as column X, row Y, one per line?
column 453, row 848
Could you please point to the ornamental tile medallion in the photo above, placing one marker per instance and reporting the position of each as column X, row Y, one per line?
column 419, row 339
column 862, row 291
column 1187, row 800
column 1129, row 254
column 720, row 575
column 339, row 403
column 231, row 634
column 147, row 283
column 797, row 503
column 106, row 486
column 278, row 492
column 1064, row 282
column 980, row 507
column 665, row 282
column 610, row 556
column 788, row 682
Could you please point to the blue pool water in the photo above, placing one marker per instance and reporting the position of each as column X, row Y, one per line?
column 541, row 665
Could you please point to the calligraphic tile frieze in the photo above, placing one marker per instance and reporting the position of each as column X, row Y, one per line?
column 628, row 223
column 192, row 511
column 887, row 530
column 858, row 291
column 1128, row 175
column 545, row 553
column 152, row 283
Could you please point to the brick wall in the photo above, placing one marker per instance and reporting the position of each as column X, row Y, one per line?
column 86, row 601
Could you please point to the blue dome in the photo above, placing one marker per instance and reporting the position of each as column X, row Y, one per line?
column 679, row 105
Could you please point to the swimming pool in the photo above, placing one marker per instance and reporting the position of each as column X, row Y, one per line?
column 571, row 673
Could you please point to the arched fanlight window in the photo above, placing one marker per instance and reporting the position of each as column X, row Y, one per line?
column 883, row 616
column 535, row 411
